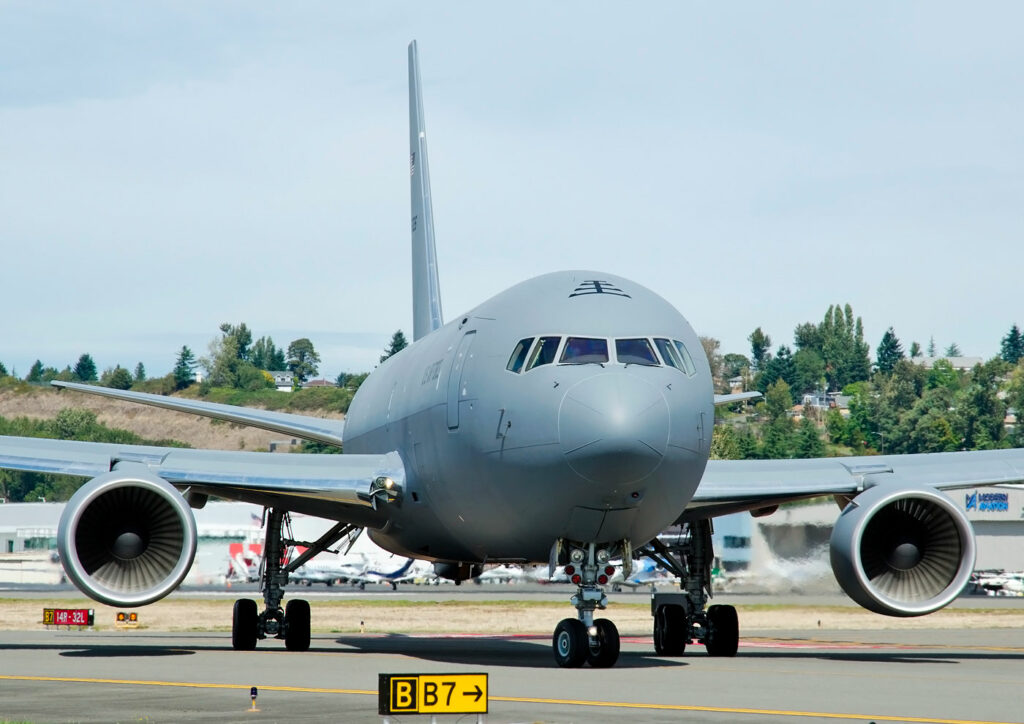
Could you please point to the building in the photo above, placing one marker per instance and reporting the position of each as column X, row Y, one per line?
column 961, row 364
column 283, row 379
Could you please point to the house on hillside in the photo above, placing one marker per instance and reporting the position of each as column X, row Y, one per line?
column 960, row 364
column 283, row 379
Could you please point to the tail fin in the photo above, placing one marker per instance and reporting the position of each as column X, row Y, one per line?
column 426, row 290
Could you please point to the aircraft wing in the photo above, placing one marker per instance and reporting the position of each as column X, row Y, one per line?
column 343, row 487
column 729, row 486
column 735, row 397
column 323, row 430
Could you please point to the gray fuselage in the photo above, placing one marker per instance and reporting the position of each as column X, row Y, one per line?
column 501, row 463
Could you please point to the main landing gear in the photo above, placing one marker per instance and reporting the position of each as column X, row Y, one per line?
column 248, row 625
column 586, row 639
column 680, row 618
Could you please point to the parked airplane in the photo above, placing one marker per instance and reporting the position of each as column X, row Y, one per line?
column 363, row 562
column 566, row 420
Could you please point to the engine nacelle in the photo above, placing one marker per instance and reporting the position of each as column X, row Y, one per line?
column 127, row 538
column 902, row 551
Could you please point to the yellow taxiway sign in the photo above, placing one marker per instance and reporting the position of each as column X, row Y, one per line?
column 432, row 694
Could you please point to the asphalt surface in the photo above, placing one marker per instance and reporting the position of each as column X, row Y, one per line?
column 799, row 676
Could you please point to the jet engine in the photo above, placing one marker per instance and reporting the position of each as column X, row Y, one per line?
column 127, row 538
column 902, row 551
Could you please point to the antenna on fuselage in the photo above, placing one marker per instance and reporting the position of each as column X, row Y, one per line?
column 426, row 290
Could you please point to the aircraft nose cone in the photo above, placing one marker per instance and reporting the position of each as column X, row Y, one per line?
column 614, row 428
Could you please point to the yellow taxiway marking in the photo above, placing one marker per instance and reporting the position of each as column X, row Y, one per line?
column 519, row 700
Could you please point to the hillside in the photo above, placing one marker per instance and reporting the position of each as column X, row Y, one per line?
column 149, row 422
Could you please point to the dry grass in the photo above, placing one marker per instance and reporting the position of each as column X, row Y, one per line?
column 494, row 617
column 149, row 422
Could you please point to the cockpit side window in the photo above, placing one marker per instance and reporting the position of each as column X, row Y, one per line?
column 515, row 362
column 544, row 352
column 635, row 351
column 688, row 366
column 583, row 350
column 670, row 354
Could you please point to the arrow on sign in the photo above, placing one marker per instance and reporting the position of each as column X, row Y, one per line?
column 475, row 693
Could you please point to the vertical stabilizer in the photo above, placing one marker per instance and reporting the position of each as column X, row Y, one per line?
column 426, row 290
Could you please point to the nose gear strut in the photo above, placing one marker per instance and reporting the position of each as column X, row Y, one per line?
column 292, row 623
column 586, row 639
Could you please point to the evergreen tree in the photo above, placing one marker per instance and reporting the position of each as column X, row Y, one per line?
column 35, row 373
column 808, row 336
column 1012, row 349
column 931, row 347
column 953, row 350
column 267, row 356
column 915, row 350
column 724, row 444
column 184, row 369
column 779, row 367
column 809, row 443
column 85, row 369
column 398, row 343
column 3, row 370
column 302, row 359
column 843, row 348
column 119, row 378
column 889, row 352
column 734, row 365
column 241, row 337
column 140, row 372
column 760, row 343
column 810, row 371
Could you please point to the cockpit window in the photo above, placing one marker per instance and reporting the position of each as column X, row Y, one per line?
column 688, row 366
column 515, row 362
column 635, row 351
column 544, row 352
column 582, row 350
column 670, row 354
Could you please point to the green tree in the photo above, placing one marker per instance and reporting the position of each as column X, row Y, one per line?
column 140, row 372
column 724, row 445
column 890, row 351
column 808, row 336
column 1012, row 348
column 3, row 370
column 760, row 343
column 843, row 347
column 931, row 347
column 809, row 443
column 809, row 372
column 735, row 365
column 267, row 356
column 303, row 359
column 398, row 343
column 778, row 433
column 85, row 369
column 184, row 369
column 35, row 373
column 241, row 336
column 942, row 374
column 119, row 378
column 711, row 347
column 779, row 367
column 915, row 350
column 979, row 408
column 953, row 350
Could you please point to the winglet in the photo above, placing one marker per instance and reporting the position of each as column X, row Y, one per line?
column 426, row 290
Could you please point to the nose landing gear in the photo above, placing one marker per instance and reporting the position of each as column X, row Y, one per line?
column 586, row 639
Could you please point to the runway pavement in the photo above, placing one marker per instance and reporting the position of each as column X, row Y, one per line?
column 800, row 676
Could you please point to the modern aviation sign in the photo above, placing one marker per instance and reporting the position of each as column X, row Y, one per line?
column 987, row 502
column 432, row 694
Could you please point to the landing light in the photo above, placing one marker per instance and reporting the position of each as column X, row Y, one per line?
column 602, row 555
column 576, row 555
column 592, row 632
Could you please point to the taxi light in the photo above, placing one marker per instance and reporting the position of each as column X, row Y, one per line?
column 576, row 579
column 609, row 570
column 570, row 569
column 602, row 579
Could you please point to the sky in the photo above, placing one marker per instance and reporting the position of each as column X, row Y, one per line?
column 166, row 167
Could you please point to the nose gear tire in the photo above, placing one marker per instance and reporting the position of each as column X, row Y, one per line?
column 570, row 644
column 603, row 649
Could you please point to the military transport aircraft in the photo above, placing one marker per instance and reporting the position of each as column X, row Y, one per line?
column 566, row 420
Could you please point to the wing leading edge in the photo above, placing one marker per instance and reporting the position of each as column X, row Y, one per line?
column 323, row 430
column 730, row 486
column 318, row 484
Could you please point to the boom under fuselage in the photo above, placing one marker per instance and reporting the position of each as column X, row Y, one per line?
column 502, row 463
